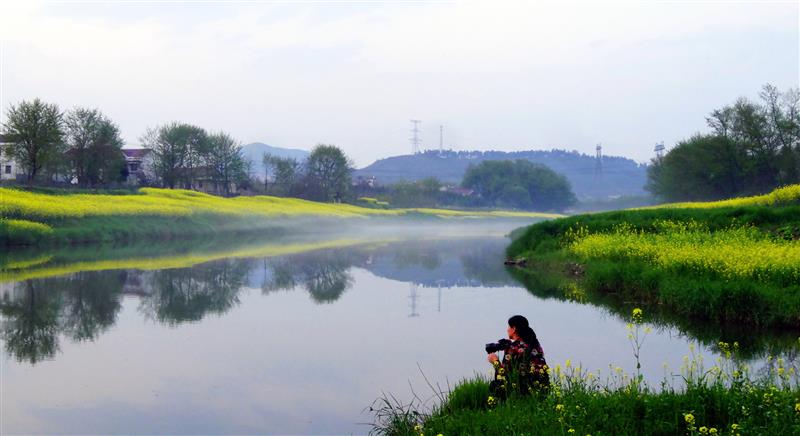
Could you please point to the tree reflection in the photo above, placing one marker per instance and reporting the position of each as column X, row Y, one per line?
column 30, row 326
column 82, row 306
column 91, row 302
column 188, row 294
column 324, row 274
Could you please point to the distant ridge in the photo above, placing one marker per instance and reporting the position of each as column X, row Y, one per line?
column 255, row 151
column 620, row 175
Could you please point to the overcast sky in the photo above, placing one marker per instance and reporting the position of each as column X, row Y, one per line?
column 497, row 75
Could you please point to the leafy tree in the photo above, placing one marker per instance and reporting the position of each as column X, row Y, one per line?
column 285, row 172
column 225, row 160
column 519, row 184
column 703, row 167
column 754, row 147
column 424, row 193
column 94, row 147
column 328, row 173
column 34, row 131
column 175, row 146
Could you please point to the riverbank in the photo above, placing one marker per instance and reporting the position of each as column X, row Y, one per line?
column 727, row 398
column 32, row 218
column 734, row 262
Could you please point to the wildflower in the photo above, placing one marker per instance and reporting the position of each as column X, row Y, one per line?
column 703, row 430
column 797, row 407
column 734, row 426
column 491, row 401
column 689, row 418
column 417, row 427
column 572, row 430
column 559, row 407
column 637, row 315
column 712, row 430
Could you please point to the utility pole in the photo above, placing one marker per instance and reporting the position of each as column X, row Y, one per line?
column 659, row 150
column 415, row 136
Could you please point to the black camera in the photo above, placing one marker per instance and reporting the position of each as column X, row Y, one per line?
column 500, row 345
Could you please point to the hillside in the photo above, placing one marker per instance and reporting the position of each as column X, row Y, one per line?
column 255, row 151
column 620, row 176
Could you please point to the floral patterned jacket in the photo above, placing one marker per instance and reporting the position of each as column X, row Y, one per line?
column 527, row 361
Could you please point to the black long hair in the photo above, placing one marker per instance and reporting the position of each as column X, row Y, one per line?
column 524, row 330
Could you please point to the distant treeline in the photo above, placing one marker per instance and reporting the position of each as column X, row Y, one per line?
column 753, row 148
column 615, row 176
column 517, row 184
column 83, row 147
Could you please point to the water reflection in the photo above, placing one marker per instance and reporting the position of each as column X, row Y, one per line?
column 80, row 306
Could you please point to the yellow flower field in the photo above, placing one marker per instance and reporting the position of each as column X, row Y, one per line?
column 737, row 252
column 166, row 202
column 785, row 196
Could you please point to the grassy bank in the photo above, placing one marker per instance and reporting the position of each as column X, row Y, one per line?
column 730, row 262
column 31, row 218
column 727, row 398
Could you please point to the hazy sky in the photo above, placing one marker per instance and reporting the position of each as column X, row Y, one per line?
column 498, row 75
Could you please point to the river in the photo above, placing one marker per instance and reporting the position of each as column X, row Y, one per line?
column 273, row 337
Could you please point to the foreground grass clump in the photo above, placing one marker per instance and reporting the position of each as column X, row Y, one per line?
column 163, row 212
column 719, row 264
column 724, row 399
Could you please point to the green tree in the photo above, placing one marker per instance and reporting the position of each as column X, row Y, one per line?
column 328, row 173
column 704, row 167
column 225, row 160
column 176, row 149
column 94, row 147
column 519, row 184
column 423, row 193
column 34, row 132
column 284, row 171
column 753, row 148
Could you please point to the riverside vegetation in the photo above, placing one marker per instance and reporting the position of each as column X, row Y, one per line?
column 733, row 262
column 30, row 218
column 727, row 398
column 733, row 265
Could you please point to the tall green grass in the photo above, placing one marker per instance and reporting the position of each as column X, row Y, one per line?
column 727, row 398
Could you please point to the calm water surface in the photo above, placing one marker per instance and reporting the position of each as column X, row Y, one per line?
column 260, row 342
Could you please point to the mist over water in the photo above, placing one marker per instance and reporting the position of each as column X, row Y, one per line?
column 288, row 335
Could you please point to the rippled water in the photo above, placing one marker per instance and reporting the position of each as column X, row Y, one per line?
column 272, row 338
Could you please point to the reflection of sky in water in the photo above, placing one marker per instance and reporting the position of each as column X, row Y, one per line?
column 282, row 363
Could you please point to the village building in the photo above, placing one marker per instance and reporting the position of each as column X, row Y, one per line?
column 9, row 169
column 139, row 165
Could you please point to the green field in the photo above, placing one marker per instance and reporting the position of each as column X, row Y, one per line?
column 30, row 218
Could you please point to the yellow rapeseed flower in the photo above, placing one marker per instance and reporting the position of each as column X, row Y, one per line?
column 689, row 418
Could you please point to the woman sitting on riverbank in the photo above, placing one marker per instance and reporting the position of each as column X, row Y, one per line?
column 523, row 367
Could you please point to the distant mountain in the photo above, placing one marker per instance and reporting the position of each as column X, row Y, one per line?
column 619, row 175
column 255, row 152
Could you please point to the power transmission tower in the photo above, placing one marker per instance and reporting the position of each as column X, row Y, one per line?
column 413, row 297
column 659, row 150
column 415, row 141
column 598, row 165
column 441, row 139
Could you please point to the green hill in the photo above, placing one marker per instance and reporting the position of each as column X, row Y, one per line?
column 619, row 177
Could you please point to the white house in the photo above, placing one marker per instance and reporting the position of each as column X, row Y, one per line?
column 8, row 167
column 139, row 162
